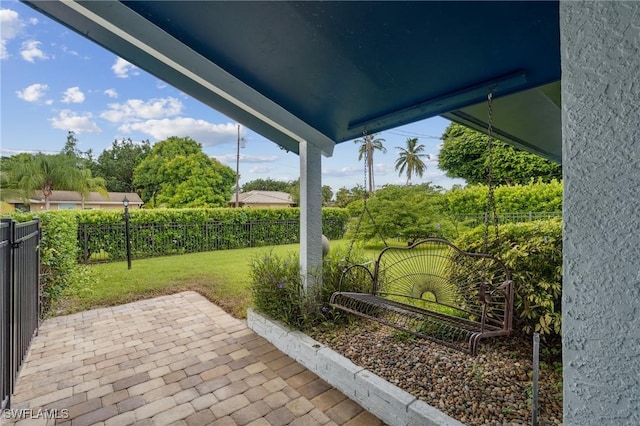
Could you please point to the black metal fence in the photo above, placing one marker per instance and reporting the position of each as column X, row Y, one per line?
column 106, row 242
column 19, row 298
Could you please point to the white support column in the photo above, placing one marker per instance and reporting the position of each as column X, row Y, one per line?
column 600, row 48
column 310, row 213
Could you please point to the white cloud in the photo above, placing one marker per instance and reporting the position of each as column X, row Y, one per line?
column 72, row 52
column 260, row 169
column 433, row 174
column 78, row 123
column 382, row 169
column 9, row 151
column 122, row 68
column 231, row 158
column 10, row 27
column 258, row 158
column 11, row 23
column 137, row 109
column 343, row 172
column 31, row 51
column 33, row 93
column 73, row 95
column 111, row 93
column 208, row 134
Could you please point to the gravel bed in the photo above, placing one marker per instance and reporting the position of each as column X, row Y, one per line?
column 493, row 388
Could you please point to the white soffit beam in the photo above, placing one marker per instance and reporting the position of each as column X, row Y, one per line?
column 148, row 39
column 530, row 120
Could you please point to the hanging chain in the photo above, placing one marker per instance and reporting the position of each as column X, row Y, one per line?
column 491, row 205
column 364, row 208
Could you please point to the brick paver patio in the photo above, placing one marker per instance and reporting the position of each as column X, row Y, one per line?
column 178, row 360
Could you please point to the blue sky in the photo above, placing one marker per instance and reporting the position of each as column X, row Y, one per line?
column 54, row 80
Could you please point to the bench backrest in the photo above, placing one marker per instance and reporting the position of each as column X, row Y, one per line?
column 436, row 275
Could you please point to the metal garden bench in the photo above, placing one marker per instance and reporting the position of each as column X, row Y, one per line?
column 433, row 290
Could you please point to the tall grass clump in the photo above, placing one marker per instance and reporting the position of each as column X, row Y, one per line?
column 278, row 290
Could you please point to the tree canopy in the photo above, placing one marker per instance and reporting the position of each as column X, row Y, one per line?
column 464, row 155
column 176, row 173
column 116, row 164
column 266, row 185
column 405, row 213
column 83, row 159
column 345, row 196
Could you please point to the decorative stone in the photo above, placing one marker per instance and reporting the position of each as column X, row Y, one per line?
column 325, row 246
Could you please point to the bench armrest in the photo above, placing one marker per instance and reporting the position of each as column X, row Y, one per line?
column 502, row 286
column 485, row 297
column 358, row 271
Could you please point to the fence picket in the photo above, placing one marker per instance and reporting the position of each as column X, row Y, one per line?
column 19, row 298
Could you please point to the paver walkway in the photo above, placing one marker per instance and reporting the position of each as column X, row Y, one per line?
column 175, row 359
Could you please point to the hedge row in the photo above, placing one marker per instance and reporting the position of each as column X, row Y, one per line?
column 177, row 231
column 61, row 248
column 58, row 251
column 534, row 197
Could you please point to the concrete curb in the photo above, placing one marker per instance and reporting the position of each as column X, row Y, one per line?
column 386, row 401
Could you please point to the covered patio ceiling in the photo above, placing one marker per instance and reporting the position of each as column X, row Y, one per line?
column 326, row 72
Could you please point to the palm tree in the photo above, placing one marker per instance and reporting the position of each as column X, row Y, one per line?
column 47, row 173
column 88, row 183
column 410, row 159
column 368, row 145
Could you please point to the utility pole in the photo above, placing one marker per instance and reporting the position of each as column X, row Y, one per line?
column 238, row 168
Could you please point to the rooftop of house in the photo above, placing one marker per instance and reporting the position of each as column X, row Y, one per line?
column 92, row 198
column 263, row 197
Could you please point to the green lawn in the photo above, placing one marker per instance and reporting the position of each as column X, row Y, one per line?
column 221, row 276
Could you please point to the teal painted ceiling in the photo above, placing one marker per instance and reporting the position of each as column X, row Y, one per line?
column 328, row 71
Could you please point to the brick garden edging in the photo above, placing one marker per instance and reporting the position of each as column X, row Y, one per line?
column 386, row 401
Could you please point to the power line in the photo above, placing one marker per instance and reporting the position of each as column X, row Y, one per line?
column 414, row 134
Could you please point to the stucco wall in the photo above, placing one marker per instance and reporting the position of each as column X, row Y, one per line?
column 600, row 45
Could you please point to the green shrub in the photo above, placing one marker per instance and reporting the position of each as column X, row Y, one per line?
column 534, row 197
column 161, row 232
column 400, row 213
column 533, row 253
column 58, row 253
column 278, row 291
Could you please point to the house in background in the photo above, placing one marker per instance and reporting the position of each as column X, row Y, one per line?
column 262, row 199
column 70, row 200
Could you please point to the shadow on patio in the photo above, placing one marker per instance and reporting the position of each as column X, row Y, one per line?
column 175, row 359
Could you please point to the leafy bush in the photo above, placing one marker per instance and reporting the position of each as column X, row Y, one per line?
column 409, row 213
column 176, row 231
column 401, row 213
column 534, row 197
column 533, row 253
column 58, row 253
column 278, row 290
